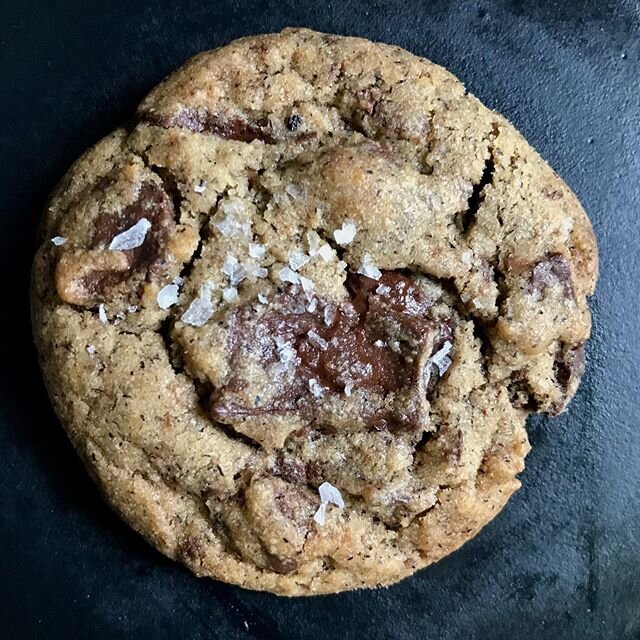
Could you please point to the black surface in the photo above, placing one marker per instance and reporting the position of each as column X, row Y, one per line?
column 563, row 560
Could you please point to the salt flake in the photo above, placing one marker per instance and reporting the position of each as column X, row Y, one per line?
column 132, row 237
column 167, row 296
column 230, row 294
column 91, row 349
column 312, row 305
column 441, row 358
column 262, row 298
column 288, row 275
column 201, row 309
column 326, row 252
column 102, row 314
column 330, row 495
column 58, row 240
column 201, row 187
column 345, row 234
column 297, row 260
column 256, row 250
column 313, row 240
column 316, row 388
column 321, row 513
column 383, row 290
column 317, row 340
column 368, row 268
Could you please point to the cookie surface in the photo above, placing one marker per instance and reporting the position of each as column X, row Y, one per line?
column 294, row 320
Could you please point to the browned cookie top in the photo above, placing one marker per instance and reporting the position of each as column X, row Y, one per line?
column 295, row 319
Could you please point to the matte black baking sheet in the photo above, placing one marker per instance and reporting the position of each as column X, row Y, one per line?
column 563, row 559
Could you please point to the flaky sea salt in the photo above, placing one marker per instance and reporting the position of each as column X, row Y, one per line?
column 466, row 257
column 233, row 270
column 328, row 495
column 316, row 388
column 262, row 298
column 368, row 268
column 383, row 290
column 132, row 308
column 58, row 241
column 297, row 260
column 348, row 388
column 379, row 343
column 91, row 349
column 288, row 275
column 286, row 353
column 294, row 191
column 326, row 252
column 102, row 314
column 201, row 309
column 345, row 234
column 201, row 187
column 307, row 285
column 441, row 358
column 229, row 226
column 313, row 240
column 230, row 294
column 132, row 237
column 179, row 280
column 256, row 250
column 342, row 265
column 259, row 272
column 329, row 314
column 312, row 306
column 317, row 340
column 167, row 296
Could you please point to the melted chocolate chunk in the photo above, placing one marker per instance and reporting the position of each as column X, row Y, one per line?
column 373, row 342
column 202, row 121
column 553, row 268
column 568, row 366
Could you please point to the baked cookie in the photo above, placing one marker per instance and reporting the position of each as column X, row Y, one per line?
column 295, row 318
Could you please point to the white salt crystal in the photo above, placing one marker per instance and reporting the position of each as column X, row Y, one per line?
column 316, row 388
column 567, row 226
column 132, row 237
column 345, row 234
column 201, row 187
column 379, row 343
column 312, row 305
column 58, row 241
column 307, row 285
column 132, row 308
column 325, row 252
column 368, row 268
column 286, row 352
column 313, row 240
column 441, row 358
column 383, row 290
column 329, row 315
column 263, row 299
column 297, row 260
column 466, row 257
column 348, row 388
column 230, row 294
column 235, row 271
column 294, row 191
column 120, row 315
column 260, row 272
column 330, row 495
column 288, row 275
column 102, row 314
column 167, row 296
column 91, row 349
column 317, row 340
column 256, row 250
column 201, row 309
column 342, row 265
column 179, row 280
column 321, row 513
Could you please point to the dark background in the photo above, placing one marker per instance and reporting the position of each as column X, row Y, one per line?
column 563, row 559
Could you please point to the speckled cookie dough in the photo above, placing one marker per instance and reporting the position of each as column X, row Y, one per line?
column 294, row 320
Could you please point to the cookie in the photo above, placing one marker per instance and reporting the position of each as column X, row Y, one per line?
column 294, row 318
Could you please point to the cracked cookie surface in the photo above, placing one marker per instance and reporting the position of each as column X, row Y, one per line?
column 295, row 318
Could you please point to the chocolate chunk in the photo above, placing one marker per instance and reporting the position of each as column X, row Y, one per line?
column 89, row 275
column 553, row 268
column 373, row 342
column 569, row 366
column 280, row 565
column 202, row 121
column 293, row 122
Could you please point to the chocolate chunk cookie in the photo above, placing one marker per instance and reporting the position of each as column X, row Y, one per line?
column 294, row 320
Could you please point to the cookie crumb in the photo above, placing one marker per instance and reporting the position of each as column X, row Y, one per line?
column 132, row 238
